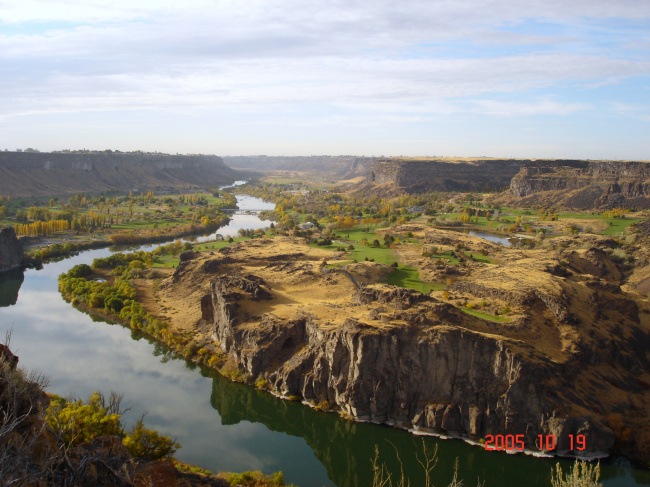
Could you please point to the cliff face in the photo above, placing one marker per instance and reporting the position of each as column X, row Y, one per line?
column 629, row 179
column 441, row 379
column 419, row 175
column 35, row 174
column 11, row 250
column 575, row 184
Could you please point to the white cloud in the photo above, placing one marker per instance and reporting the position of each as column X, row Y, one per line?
column 366, row 62
column 538, row 107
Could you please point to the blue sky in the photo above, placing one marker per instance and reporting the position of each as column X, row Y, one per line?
column 502, row 78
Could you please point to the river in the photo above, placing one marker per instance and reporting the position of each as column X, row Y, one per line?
column 229, row 426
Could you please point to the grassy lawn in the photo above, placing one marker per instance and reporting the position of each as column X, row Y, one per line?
column 618, row 225
column 357, row 233
column 166, row 260
column 409, row 278
column 485, row 316
column 480, row 258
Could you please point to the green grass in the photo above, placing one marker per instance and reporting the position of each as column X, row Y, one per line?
column 618, row 225
column 357, row 233
column 409, row 278
column 447, row 257
column 166, row 260
column 480, row 258
column 485, row 316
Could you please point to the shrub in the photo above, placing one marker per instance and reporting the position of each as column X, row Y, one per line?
column 80, row 270
column 76, row 422
column 148, row 444
column 581, row 474
column 191, row 349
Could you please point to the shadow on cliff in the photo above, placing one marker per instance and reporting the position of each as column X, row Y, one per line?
column 10, row 283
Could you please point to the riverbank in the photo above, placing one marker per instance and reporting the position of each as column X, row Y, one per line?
column 64, row 247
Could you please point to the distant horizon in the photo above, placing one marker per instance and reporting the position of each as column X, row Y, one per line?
column 117, row 151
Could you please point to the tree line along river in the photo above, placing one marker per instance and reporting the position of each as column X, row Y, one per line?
column 226, row 426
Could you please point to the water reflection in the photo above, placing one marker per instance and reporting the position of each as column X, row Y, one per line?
column 10, row 283
column 506, row 241
column 346, row 449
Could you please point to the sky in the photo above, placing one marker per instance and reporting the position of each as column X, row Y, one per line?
column 499, row 78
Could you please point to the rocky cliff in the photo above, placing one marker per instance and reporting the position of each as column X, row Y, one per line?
column 35, row 174
column 596, row 182
column 440, row 379
column 423, row 175
column 576, row 353
column 570, row 183
column 11, row 250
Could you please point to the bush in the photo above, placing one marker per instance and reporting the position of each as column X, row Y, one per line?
column 80, row 270
column 76, row 422
column 148, row 444
column 191, row 349
column 581, row 474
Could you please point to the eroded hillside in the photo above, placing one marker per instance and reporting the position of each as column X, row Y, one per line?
column 38, row 174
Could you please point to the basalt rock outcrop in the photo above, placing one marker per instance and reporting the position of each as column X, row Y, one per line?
column 36, row 174
column 627, row 178
column 423, row 175
column 11, row 250
column 425, row 374
column 570, row 183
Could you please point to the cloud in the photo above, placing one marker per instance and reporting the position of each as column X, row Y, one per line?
column 356, row 62
column 539, row 107
column 640, row 112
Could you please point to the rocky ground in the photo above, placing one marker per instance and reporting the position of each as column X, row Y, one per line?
column 571, row 359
